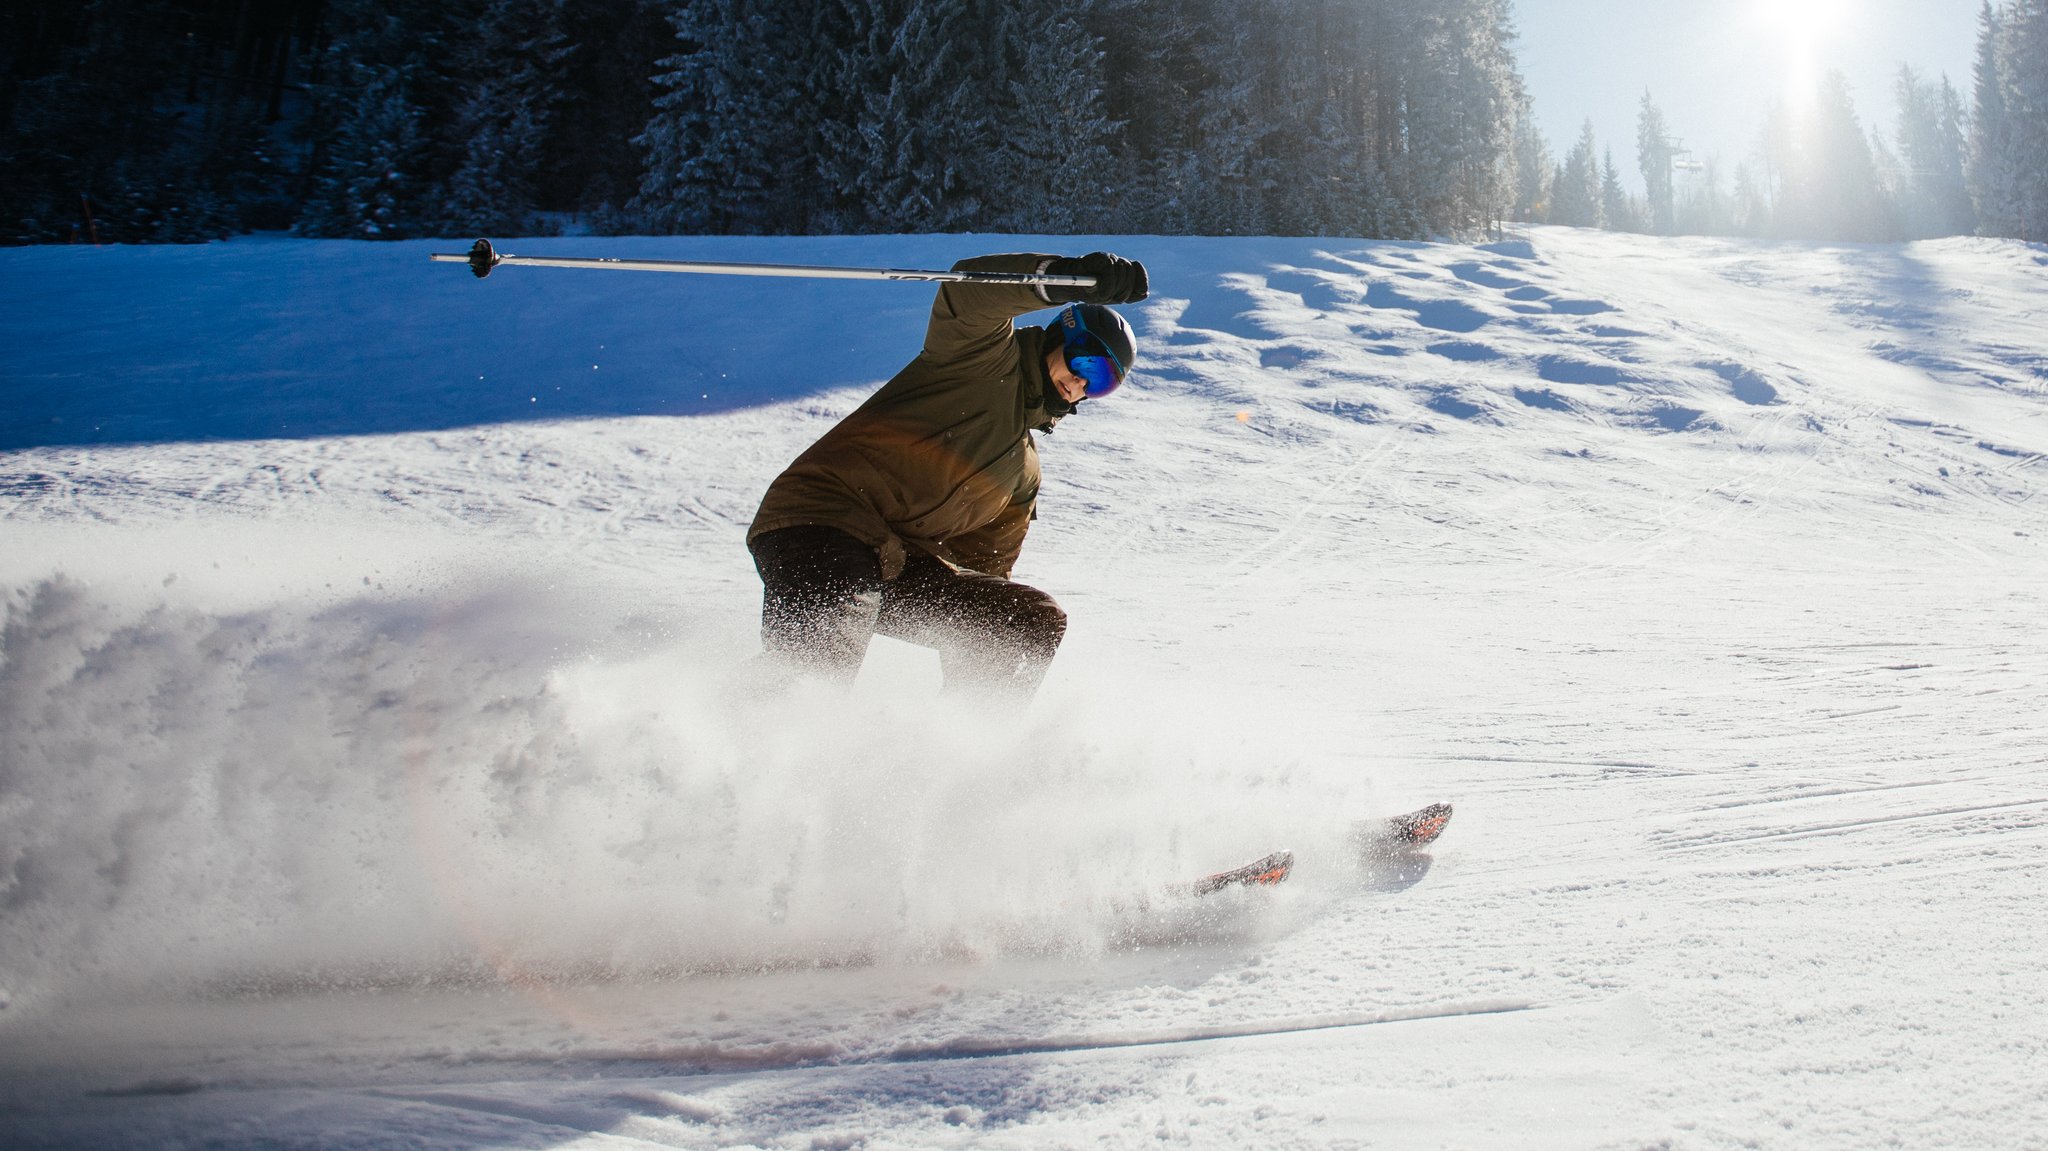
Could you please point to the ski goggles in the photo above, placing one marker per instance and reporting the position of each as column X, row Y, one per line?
column 1087, row 356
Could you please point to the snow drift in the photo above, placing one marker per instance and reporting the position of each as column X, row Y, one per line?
column 506, row 784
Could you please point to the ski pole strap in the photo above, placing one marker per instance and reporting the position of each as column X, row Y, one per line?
column 481, row 258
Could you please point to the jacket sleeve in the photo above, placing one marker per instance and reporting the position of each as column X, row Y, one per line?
column 992, row 548
column 970, row 323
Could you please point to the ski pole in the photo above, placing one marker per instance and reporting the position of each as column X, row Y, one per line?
column 482, row 258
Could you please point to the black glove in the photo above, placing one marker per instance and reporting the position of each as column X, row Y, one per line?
column 1117, row 280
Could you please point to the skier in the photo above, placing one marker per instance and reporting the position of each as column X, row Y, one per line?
column 907, row 516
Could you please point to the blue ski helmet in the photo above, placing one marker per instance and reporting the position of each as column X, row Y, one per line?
column 1098, row 345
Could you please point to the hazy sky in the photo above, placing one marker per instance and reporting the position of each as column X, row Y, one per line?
column 1713, row 65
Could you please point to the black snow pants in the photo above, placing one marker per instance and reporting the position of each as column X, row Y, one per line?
column 823, row 598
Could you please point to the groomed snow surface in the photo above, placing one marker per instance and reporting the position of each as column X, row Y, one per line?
column 378, row 765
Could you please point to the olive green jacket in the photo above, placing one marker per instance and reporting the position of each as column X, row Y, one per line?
column 941, row 457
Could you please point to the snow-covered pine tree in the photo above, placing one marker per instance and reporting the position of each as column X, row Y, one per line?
column 1229, row 122
column 733, row 143
column 1575, row 201
column 1177, row 76
column 1372, row 117
column 1993, row 166
column 1891, row 179
column 1461, row 98
column 511, row 67
column 1491, row 100
column 1831, row 190
column 1494, row 100
column 1931, row 193
column 381, row 95
column 677, row 191
column 1417, row 134
column 148, row 121
column 1382, row 54
column 1155, row 68
column 2026, row 76
column 1287, row 180
column 1037, row 151
column 1618, row 210
column 1654, row 156
column 1534, row 171
column 900, row 163
column 1355, row 116
column 1958, row 215
column 1311, row 169
column 370, row 187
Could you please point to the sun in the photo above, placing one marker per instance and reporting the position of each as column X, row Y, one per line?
column 1800, row 26
column 1797, row 32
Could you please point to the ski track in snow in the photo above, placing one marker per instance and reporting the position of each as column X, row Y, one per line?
column 376, row 764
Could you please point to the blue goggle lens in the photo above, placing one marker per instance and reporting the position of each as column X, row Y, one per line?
column 1098, row 373
column 1088, row 358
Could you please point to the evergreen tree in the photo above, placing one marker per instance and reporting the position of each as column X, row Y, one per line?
column 1299, row 146
column 1493, row 102
column 1230, row 122
column 900, row 164
column 1892, row 181
column 1043, row 143
column 382, row 92
column 1952, row 187
column 1994, row 171
column 733, row 144
column 512, row 66
column 1370, row 117
column 1654, row 156
column 135, row 122
column 369, row 187
column 1463, row 100
column 1932, row 193
column 1826, row 176
column 1533, row 174
column 1770, row 179
column 1576, row 199
column 170, row 119
column 1155, row 68
column 2025, row 73
column 1617, row 211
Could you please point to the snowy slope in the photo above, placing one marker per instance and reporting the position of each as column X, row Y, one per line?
column 372, row 765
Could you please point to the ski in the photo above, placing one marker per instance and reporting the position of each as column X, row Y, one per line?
column 1415, row 829
column 1374, row 839
column 1265, row 872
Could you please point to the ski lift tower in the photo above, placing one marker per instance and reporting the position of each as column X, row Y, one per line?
column 1685, row 174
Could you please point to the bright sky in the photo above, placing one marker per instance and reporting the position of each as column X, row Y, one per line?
column 1714, row 65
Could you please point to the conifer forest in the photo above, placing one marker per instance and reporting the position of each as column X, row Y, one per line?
column 181, row 120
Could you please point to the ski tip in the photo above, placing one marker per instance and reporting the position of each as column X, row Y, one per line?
column 1273, row 869
column 1418, row 828
column 1267, row 872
